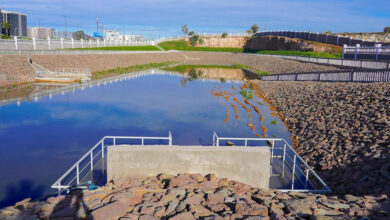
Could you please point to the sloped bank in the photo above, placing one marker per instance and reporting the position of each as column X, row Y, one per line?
column 193, row 196
column 341, row 129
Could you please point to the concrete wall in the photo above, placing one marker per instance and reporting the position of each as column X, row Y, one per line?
column 247, row 165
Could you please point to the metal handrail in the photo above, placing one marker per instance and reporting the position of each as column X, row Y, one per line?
column 58, row 184
column 296, row 158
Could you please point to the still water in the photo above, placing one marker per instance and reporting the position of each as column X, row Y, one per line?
column 41, row 139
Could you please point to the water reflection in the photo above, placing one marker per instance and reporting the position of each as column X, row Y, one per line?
column 41, row 139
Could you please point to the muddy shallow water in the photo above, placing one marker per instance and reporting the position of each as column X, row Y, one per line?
column 41, row 139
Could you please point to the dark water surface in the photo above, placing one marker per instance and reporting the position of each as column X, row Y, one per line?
column 40, row 140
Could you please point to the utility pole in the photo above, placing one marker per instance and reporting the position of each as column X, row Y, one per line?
column 97, row 25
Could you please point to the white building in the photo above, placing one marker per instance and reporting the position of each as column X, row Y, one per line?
column 63, row 35
column 115, row 35
column 112, row 35
column 40, row 32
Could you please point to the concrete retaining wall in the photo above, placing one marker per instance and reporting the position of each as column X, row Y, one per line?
column 249, row 165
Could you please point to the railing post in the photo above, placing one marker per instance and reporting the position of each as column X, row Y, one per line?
column 62, row 43
column 72, row 43
column 337, row 41
column 246, row 142
column 90, row 43
column 284, row 160
column 92, row 166
column 114, row 141
column 82, row 43
column 307, row 178
column 293, row 174
column 142, row 141
column 78, row 174
column 217, row 142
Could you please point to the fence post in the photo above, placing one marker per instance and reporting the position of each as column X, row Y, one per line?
column 337, row 41
column 317, row 36
column 350, row 41
column 72, row 42
column 326, row 39
column 82, row 43
column 356, row 50
column 97, row 42
column 48, row 43
column 344, row 50
column 90, row 43
column 62, row 43
column 377, row 51
column 34, row 43
column 351, row 77
column 16, row 42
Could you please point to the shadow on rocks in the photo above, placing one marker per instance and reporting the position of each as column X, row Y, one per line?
column 362, row 176
column 70, row 206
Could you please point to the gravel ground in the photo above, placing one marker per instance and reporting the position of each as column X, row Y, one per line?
column 193, row 196
column 103, row 62
column 14, row 69
column 342, row 130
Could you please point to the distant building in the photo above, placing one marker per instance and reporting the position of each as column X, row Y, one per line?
column 114, row 35
column 1, row 23
column 18, row 23
column 63, row 35
column 40, row 32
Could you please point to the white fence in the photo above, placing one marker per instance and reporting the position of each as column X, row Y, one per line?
column 377, row 52
column 51, row 44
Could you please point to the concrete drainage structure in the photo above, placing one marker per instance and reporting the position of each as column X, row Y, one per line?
column 261, row 162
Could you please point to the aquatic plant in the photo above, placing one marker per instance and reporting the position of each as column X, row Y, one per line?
column 274, row 122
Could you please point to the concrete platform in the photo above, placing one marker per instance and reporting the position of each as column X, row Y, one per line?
column 249, row 165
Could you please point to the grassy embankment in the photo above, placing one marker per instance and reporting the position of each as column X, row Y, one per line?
column 123, row 48
column 303, row 53
column 185, row 68
column 122, row 70
column 182, row 45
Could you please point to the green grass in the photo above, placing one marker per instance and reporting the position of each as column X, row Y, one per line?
column 123, row 48
column 182, row 45
column 261, row 72
column 122, row 70
column 185, row 68
column 302, row 53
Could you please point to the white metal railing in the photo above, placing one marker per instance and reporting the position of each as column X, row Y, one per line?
column 84, row 168
column 292, row 170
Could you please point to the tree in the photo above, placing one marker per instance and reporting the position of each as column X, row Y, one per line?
column 6, row 26
column 194, row 40
column 80, row 35
column 255, row 28
column 184, row 29
column 200, row 41
column 249, row 31
column 191, row 33
column 387, row 30
column 224, row 35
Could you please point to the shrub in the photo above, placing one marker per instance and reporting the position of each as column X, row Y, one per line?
column 224, row 35
column 387, row 30
column 194, row 40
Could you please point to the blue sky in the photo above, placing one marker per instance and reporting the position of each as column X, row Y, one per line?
column 165, row 17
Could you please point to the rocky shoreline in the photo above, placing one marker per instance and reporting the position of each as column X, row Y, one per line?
column 194, row 196
column 342, row 130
